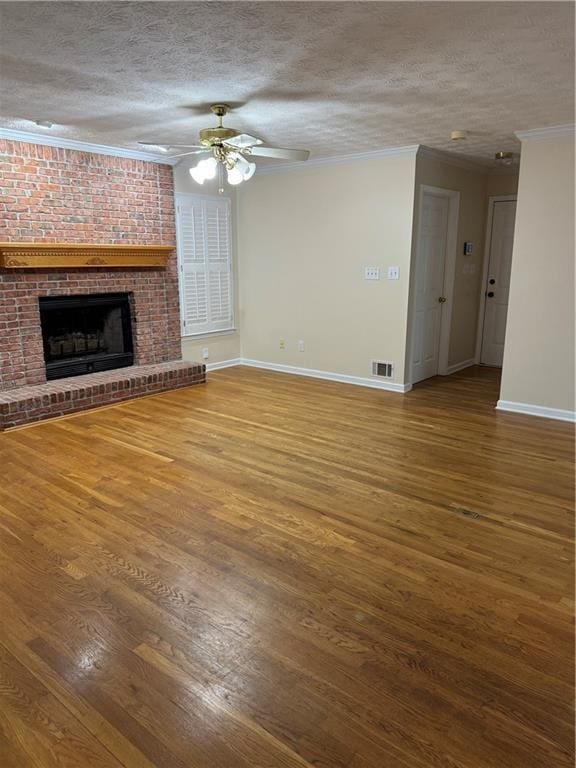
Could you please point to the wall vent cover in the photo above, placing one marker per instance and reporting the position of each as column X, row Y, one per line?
column 382, row 368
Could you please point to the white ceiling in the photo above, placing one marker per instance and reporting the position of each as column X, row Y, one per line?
column 333, row 77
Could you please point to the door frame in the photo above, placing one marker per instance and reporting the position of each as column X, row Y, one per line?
column 453, row 197
column 486, row 266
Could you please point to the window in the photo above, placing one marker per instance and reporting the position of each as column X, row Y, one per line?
column 205, row 261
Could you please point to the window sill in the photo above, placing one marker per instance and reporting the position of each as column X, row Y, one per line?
column 207, row 334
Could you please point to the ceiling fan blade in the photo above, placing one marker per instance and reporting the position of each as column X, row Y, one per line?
column 192, row 152
column 281, row 154
column 161, row 145
column 242, row 141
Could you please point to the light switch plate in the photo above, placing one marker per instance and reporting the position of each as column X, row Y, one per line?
column 371, row 273
column 393, row 273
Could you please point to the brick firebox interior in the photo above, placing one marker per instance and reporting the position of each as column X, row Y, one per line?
column 53, row 195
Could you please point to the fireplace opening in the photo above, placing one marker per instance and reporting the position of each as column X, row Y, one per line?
column 85, row 334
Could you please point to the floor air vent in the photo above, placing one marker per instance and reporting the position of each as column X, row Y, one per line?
column 383, row 369
column 465, row 512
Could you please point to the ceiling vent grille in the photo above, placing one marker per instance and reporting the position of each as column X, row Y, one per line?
column 382, row 368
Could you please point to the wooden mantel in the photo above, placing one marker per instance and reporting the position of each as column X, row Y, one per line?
column 81, row 255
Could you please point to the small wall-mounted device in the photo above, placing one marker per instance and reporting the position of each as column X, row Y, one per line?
column 468, row 248
column 371, row 273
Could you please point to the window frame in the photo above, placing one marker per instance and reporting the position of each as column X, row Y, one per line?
column 182, row 198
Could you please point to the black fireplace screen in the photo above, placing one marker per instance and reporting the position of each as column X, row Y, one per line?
column 85, row 334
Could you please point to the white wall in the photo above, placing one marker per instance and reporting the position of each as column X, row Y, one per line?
column 221, row 346
column 539, row 350
column 304, row 238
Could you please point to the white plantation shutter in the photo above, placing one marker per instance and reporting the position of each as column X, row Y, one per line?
column 205, row 255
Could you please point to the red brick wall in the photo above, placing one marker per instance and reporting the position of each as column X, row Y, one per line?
column 51, row 194
column 60, row 195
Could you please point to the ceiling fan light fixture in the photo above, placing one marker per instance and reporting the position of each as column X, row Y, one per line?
column 228, row 148
column 250, row 171
column 246, row 169
column 198, row 175
column 205, row 170
column 208, row 166
column 235, row 176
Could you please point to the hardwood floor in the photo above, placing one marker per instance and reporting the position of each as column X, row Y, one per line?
column 279, row 572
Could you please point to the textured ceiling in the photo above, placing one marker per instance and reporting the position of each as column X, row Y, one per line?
column 335, row 78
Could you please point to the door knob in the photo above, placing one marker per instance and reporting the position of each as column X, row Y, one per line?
column 490, row 294
column 441, row 299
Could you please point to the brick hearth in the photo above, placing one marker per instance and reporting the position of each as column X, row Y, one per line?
column 50, row 195
column 65, row 396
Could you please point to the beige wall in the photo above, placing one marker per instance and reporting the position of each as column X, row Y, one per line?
column 304, row 239
column 539, row 350
column 472, row 186
column 221, row 346
column 501, row 184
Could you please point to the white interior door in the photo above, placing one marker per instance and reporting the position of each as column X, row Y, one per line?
column 429, row 285
column 498, row 282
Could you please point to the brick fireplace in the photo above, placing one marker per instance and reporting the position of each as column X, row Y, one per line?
column 54, row 195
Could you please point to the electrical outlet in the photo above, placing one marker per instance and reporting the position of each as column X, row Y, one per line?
column 205, row 353
column 371, row 273
column 300, row 346
column 393, row 273
column 282, row 343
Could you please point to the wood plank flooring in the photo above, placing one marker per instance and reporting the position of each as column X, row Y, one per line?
column 279, row 572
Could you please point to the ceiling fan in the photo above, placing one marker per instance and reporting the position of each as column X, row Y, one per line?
column 228, row 150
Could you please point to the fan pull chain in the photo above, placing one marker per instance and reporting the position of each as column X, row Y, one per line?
column 220, row 179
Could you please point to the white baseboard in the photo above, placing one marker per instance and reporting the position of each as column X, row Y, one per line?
column 503, row 405
column 328, row 375
column 459, row 366
column 536, row 410
column 223, row 364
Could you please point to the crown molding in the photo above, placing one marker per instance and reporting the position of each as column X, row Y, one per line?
column 83, row 146
column 543, row 134
column 456, row 160
column 409, row 150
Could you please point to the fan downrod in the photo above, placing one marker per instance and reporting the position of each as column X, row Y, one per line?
column 211, row 137
column 220, row 109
